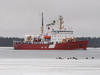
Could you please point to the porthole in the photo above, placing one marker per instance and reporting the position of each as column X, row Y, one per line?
column 80, row 45
column 41, row 46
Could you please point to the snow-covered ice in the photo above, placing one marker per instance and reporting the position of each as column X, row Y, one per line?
column 49, row 67
column 44, row 62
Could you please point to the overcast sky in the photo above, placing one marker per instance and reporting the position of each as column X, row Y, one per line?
column 21, row 17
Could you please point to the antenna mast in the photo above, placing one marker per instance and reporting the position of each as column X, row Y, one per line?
column 42, row 24
column 61, row 22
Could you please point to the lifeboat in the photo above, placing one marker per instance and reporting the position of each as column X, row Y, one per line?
column 47, row 37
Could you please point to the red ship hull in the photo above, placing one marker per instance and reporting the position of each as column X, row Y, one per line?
column 58, row 46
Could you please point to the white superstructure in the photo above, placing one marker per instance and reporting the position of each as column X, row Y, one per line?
column 53, row 34
column 58, row 34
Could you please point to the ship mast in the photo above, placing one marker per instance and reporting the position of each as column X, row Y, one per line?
column 42, row 25
column 61, row 22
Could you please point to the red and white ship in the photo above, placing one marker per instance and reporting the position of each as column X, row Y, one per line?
column 55, row 39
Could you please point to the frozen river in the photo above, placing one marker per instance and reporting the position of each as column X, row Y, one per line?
column 35, row 62
column 9, row 52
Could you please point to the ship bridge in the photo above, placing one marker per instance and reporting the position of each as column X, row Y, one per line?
column 59, row 35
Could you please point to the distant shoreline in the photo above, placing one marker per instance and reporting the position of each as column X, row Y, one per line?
column 8, row 41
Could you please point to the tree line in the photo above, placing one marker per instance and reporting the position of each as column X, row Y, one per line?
column 93, row 41
column 8, row 41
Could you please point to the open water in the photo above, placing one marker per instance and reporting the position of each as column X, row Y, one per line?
column 44, row 62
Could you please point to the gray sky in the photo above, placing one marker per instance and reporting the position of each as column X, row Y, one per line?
column 21, row 17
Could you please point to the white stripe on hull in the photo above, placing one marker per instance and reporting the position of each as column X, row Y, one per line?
column 53, row 45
